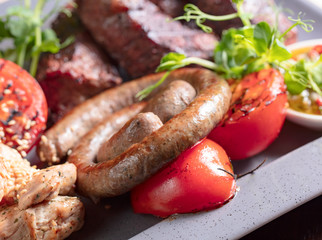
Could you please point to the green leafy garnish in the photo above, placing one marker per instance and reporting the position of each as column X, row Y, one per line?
column 192, row 12
column 303, row 74
column 245, row 50
column 24, row 27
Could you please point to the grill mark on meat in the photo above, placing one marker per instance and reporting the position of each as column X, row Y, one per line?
column 137, row 34
column 77, row 72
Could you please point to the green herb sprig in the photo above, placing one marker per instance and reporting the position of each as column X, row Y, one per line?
column 245, row 50
column 24, row 26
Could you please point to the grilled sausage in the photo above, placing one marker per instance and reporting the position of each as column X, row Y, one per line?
column 132, row 132
column 64, row 135
column 141, row 160
column 172, row 100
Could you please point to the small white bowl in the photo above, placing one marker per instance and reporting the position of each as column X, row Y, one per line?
column 307, row 120
column 304, row 119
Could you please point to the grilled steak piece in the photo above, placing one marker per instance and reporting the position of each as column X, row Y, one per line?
column 76, row 73
column 262, row 10
column 137, row 34
column 174, row 8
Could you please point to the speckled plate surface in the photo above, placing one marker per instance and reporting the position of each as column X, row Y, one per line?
column 272, row 191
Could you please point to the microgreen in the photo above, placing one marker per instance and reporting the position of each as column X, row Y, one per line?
column 24, row 27
column 303, row 74
column 247, row 49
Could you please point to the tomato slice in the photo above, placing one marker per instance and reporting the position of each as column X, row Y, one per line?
column 256, row 115
column 23, row 107
column 195, row 181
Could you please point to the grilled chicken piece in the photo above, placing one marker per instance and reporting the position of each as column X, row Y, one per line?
column 15, row 172
column 46, row 184
column 55, row 219
column 21, row 183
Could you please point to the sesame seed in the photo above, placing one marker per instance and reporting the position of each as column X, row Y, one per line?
column 5, row 109
column 14, row 137
column 7, row 91
column 9, row 130
column 19, row 141
column 44, row 139
column 28, row 123
column 10, row 102
column 24, row 142
column 23, row 153
column 69, row 152
column 27, row 136
column 19, row 148
column 42, row 157
column 55, row 159
column 23, row 191
column 33, row 123
column 12, row 122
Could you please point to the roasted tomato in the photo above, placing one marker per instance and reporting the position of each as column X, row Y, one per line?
column 255, row 117
column 197, row 180
column 23, row 107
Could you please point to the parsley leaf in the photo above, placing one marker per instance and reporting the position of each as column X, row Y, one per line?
column 23, row 26
column 245, row 50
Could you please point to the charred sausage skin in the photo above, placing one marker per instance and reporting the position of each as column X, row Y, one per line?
column 61, row 138
column 141, row 160
column 132, row 132
column 172, row 100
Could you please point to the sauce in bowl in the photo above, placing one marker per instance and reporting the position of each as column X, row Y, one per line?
column 306, row 108
column 308, row 101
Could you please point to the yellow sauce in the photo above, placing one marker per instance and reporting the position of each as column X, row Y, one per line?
column 308, row 101
column 305, row 102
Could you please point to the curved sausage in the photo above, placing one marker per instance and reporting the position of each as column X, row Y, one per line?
column 141, row 160
column 172, row 100
column 132, row 132
column 64, row 135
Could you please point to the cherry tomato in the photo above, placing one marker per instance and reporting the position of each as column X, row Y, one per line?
column 318, row 49
column 195, row 181
column 256, row 115
column 23, row 107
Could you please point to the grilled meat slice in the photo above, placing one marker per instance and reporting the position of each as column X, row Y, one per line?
column 15, row 172
column 262, row 10
column 46, row 184
column 137, row 34
column 55, row 219
column 20, row 183
column 173, row 8
column 76, row 73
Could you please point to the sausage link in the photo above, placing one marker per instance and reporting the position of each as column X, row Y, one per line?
column 64, row 135
column 141, row 160
column 132, row 132
column 171, row 100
